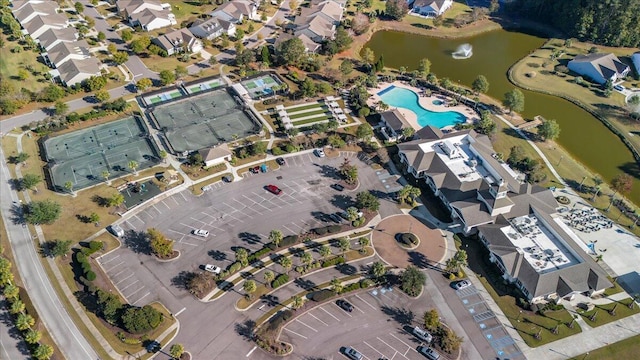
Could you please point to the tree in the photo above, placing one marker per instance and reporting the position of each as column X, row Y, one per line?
column 336, row 285
column 396, row 9
column 116, row 199
column 94, row 218
column 79, row 7
column 23, row 74
column 32, row 336
column 368, row 57
column 101, row 36
column 249, row 287
column 138, row 320
column 431, row 320
column 297, row 302
column 242, row 256
column 59, row 248
column 29, row 181
column 324, row 251
column 344, row 244
column 144, row 84
column 336, row 141
column 17, row 306
column 366, row 200
column 424, row 67
column 364, row 131
column 458, row 260
column 42, row 212
column 126, row 35
column 360, row 23
column 265, row 56
column 176, row 351
column 412, row 280
column 160, row 245
column 105, row 175
column 94, row 83
column 408, row 132
column 133, row 165
column 6, row 276
column 378, row 270
column 306, row 257
column 622, row 183
column 308, row 88
column 450, row 342
column 408, row 194
column 167, row 77
column 549, row 130
column 275, row 236
column 346, row 67
column 268, row 276
column 120, row 57
column 291, row 51
column 383, row 155
column 102, row 95
column 480, row 84
column 349, row 172
column 61, row 108
column 181, row 71
column 24, row 321
column 514, row 100
column 286, row 263
column 494, row 6
column 43, row 352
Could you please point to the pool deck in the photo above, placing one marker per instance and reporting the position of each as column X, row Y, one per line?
column 425, row 101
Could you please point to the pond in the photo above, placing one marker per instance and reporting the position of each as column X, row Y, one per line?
column 584, row 136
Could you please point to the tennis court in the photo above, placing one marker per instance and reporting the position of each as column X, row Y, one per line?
column 162, row 97
column 195, row 87
column 261, row 86
column 203, row 121
column 82, row 156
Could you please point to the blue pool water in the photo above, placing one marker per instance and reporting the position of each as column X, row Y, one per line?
column 407, row 99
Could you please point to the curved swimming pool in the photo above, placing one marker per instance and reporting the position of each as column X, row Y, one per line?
column 407, row 99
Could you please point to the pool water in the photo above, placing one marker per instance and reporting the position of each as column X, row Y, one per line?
column 407, row 99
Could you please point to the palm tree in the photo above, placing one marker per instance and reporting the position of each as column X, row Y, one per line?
column 32, row 336
column 133, row 165
column 24, row 321
column 336, row 285
column 249, row 287
column 106, row 174
column 286, row 263
column 297, row 302
column 597, row 181
column 275, row 236
column 268, row 276
column 364, row 242
column 306, row 258
column 242, row 256
column 324, row 251
column 344, row 244
column 43, row 352
column 69, row 186
column 11, row 292
column 408, row 194
column 16, row 307
column 378, row 270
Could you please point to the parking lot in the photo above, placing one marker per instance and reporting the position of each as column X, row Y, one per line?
column 235, row 214
column 379, row 326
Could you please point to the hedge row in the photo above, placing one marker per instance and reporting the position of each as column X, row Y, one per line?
column 259, row 254
column 280, row 280
column 333, row 261
column 83, row 262
column 322, row 295
column 288, row 241
column 331, row 229
column 280, row 318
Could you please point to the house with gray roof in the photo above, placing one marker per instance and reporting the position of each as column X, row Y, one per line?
column 309, row 45
column 148, row 14
column 429, row 8
column 393, row 123
column 178, row 41
column 52, row 37
column 212, row 28
column 236, row 11
column 599, row 67
column 65, row 51
column 319, row 21
column 27, row 12
column 635, row 58
column 41, row 23
column 75, row 71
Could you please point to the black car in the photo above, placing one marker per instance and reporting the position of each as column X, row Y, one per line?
column 335, row 217
column 337, row 187
column 280, row 161
column 345, row 305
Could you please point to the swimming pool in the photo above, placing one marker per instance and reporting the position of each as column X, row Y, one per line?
column 407, row 99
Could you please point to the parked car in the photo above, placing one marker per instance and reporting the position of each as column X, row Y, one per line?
column 273, row 189
column 335, row 217
column 116, row 230
column 337, row 187
column 226, row 179
column 619, row 87
column 212, row 269
column 462, row 284
column 422, row 334
column 200, row 232
column 345, row 305
column 353, row 353
column 344, row 215
column 319, row 153
column 280, row 161
column 255, row 169
column 428, row 352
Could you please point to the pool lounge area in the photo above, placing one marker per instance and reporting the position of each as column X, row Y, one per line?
column 421, row 111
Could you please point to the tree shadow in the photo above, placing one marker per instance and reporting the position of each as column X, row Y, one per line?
column 17, row 213
column 401, row 315
column 83, row 218
column 181, row 280
column 250, row 238
column 16, row 184
column 217, row 255
column 419, row 260
column 631, row 168
column 347, row 269
column 330, row 172
column 246, row 329
column 14, row 333
column 270, row 300
column 137, row 242
column 304, row 284
column 341, row 201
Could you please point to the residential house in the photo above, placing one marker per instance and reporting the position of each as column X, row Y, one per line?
column 19, row 4
column 635, row 58
column 236, row 11
column 148, row 14
column 178, row 41
column 538, row 254
column 52, row 37
column 429, row 8
column 75, row 71
column 41, row 23
column 319, row 21
column 65, row 51
column 309, row 45
column 215, row 155
column 212, row 28
column 30, row 10
column 599, row 67
column 393, row 123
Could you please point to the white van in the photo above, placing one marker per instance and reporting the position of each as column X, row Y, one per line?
column 422, row 334
column 116, row 230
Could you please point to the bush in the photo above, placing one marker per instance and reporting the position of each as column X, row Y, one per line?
column 86, row 267
column 131, row 341
column 138, row 320
column 279, row 319
column 258, row 254
column 80, row 257
column 320, row 231
column 91, row 275
column 409, row 239
column 451, row 276
column 95, row 245
column 270, row 101
column 334, row 261
column 358, row 222
column 332, row 229
column 322, row 295
column 280, row 280
column 288, row 241
column 365, row 283
column 233, row 268
column 277, row 151
column 352, row 287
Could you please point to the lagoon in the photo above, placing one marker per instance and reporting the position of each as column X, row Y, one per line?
column 584, row 136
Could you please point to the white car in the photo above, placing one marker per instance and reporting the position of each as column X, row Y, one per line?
column 320, row 153
column 462, row 284
column 212, row 269
column 422, row 334
column 619, row 87
column 200, row 232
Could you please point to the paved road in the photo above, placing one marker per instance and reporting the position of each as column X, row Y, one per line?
column 45, row 299
column 11, row 344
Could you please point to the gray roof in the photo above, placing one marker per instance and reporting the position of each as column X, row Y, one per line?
column 235, row 9
column 173, row 39
column 435, row 4
column 211, row 26
column 429, row 132
column 606, row 65
column 214, row 153
column 74, row 67
column 51, row 36
column 62, row 50
column 45, row 8
column 395, row 120
column 55, row 20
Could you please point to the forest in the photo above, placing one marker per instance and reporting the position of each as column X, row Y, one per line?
column 605, row 22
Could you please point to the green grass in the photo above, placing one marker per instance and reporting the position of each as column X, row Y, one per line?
column 625, row 349
column 604, row 317
column 309, row 113
column 310, row 121
column 11, row 63
column 306, row 107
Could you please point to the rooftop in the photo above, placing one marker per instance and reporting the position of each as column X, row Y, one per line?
column 541, row 248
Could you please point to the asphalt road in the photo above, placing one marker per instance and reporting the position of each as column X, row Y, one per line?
column 45, row 299
column 11, row 344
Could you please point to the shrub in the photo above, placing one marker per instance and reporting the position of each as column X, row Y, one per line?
column 86, row 267
column 258, row 254
column 320, row 231
column 91, row 275
column 332, row 229
column 95, row 245
column 277, row 151
column 409, row 239
column 131, row 341
column 334, row 261
column 322, row 295
column 280, row 280
column 451, row 276
column 352, row 287
column 80, row 257
column 234, row 267
column 365, row 283
column 138, row 320
column 358, row 222
column 289, row 240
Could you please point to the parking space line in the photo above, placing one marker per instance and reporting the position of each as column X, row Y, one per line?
column 407, row 345
column 136, row 291
column 108, row 261
column 137, row 218
column 346, row 313
column 358, row 308
column 120, row 272
column 124, row 288
column 301, row 228
column 130, row 224
column 246, row 207
column 115, row 266
column 154, row 206
column 257, row 203
column 394, row 349
column 313, row 316
column 116, row 284
column 177, row 232
column 174, row 199
column 143, row 296
column 293, row 332
column 330, row 314
column 186, row 243
column 314, row 330
column 194, row 219
column 165, row 204
column 374, row 349
column 233, row 217
column 366, row 302
column 284, row 226
column 182, row 194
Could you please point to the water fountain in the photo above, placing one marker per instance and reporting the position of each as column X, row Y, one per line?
column 463, row 51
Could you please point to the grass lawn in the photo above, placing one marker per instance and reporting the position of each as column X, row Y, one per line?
column 527, row 323
column 271, row 164
column 11, row 63
column 625, row 349
column 311, row 121
column 195, row 172
column 306, row 107
column 308, row 113
column 602, row 312
column 197, row 189
column 184, row 10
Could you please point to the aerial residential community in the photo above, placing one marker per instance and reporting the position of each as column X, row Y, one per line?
column 319, row 179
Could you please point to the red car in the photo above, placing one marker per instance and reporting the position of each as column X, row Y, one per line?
column 273, row 189
column 255, row 169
